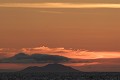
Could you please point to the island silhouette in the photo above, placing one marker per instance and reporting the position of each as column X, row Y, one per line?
column 54, row 67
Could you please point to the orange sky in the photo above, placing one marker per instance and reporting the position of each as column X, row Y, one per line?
column 85, row 29
column 91, row 29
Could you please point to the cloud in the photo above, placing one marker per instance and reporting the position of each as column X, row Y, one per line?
column 44, row 49
column 60, row 5
column 8, row 52
column 2, row 55
column 85, row 64
column 71, row 53
column 101, row 65
column 52, row 12
column 34, row 58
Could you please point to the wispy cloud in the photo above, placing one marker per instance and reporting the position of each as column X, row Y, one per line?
column 60, row 5
column 71, row 53
column 52, row 12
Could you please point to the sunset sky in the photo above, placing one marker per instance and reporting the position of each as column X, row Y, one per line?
column 84, row 29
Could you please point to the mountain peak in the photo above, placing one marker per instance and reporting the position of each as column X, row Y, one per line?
column 50, row 68
column 56, row 65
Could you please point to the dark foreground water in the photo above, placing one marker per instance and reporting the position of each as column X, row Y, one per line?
column 60, row 76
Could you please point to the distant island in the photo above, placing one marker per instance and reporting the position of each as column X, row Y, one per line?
column 55, row 67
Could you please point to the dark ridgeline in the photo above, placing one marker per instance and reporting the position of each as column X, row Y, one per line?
column 57, row 72
column 50, row 68
column 59, row 76
column 52, row 71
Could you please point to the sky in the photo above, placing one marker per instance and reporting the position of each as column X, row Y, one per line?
column 84, row 29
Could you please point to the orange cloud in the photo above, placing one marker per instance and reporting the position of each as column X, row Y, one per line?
column 71, row 53
column 84, row 54
column 8, row 52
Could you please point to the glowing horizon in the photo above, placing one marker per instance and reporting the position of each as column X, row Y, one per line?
column 60, row 5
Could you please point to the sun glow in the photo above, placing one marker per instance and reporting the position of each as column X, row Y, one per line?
column 60, row 5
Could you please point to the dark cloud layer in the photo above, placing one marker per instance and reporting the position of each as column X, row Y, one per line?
column 99, row 65
column 103, row 65
column 34, row 58
column 99, row 60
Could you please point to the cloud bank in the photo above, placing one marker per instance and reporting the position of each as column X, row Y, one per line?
column 70, row 53
column 82, row 59
column 34, row 58
column 60, row 5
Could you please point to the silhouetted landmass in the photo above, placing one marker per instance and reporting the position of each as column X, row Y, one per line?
column 53, row 71
column 7, row 70
column 35, row 58
column 59, row 76
column 50, row 68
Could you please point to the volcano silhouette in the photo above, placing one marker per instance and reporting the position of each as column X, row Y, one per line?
column 50, row 68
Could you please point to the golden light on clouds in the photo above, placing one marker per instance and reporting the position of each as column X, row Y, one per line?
column 71, row 53
column 60, row 5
